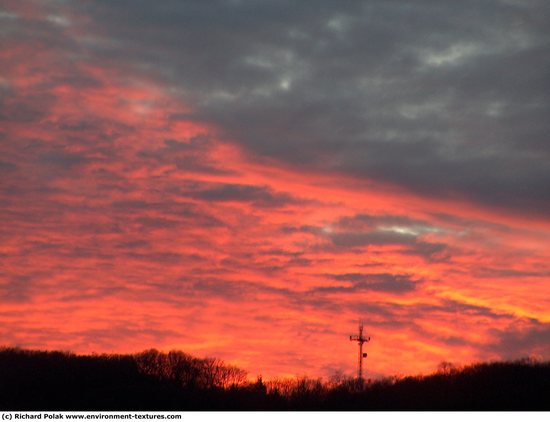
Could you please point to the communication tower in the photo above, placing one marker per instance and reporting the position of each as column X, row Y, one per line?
column 360, row 339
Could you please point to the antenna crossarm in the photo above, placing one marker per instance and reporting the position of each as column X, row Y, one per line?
column 359, row 339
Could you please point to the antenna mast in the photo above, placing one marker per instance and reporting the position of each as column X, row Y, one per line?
column 360, row 340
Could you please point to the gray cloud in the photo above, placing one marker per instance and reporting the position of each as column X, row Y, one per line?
column 261, row 196
column 6, row 166
column 489, row 272
column 16, row 289
column 61, row 159
column 173, row 213
column 190, row 155
column 375, row 230
column 377, row 282
column 515, row 342
column 441, row 97
column 352, row 239
column 366, row 221
column 352, row 233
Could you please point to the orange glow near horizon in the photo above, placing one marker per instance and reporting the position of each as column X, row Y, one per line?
column 127, row 225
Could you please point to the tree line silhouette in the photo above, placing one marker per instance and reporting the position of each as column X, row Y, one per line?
column 152, row 380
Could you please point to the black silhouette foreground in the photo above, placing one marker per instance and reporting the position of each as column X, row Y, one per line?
column 38, row 380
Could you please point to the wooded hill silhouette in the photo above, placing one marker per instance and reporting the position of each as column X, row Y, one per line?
column 151, row 380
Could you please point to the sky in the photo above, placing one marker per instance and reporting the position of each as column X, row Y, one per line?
column 248, row 180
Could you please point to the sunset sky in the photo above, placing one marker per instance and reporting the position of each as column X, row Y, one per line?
column 247, row 180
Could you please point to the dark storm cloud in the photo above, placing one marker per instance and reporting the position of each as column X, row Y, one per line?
column 441, row 97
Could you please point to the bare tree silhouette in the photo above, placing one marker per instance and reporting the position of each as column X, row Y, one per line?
column 152, row 380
